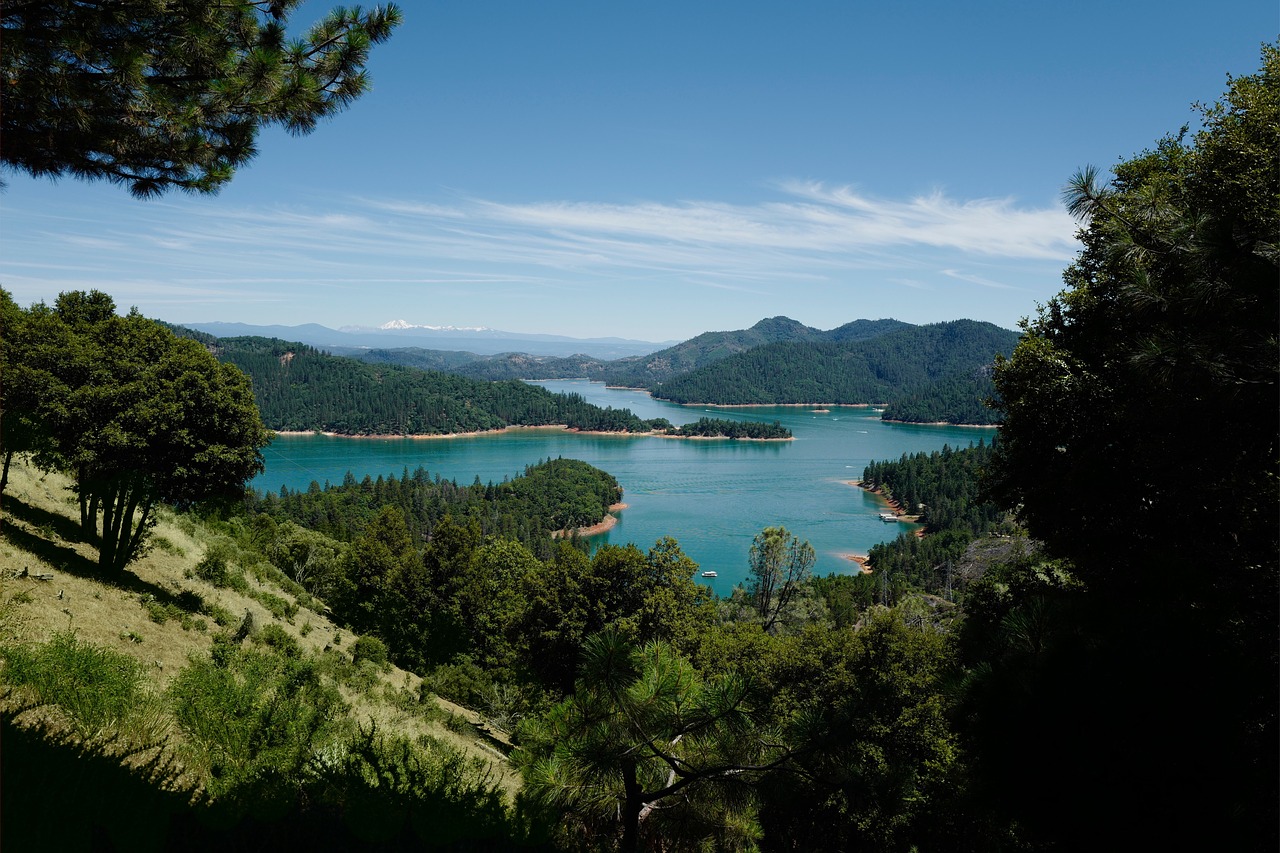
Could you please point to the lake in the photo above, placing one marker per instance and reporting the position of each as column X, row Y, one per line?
column 713, row 496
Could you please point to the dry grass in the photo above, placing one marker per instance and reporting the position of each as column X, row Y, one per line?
column 38, row 536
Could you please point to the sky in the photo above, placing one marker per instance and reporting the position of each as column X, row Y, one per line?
column 655, row 170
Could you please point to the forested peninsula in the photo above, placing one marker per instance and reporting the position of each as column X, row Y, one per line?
column 299, row 388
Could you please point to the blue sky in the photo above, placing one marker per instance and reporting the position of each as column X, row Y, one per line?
column 661, row 169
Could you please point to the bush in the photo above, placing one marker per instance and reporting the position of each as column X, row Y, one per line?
column 215, row 567
column 254, row 720
column 463, row 682
column 163, row 543
column 100, row 690
column 219, row 614
column 277, row 638
column 278, row 607
column 371, row 649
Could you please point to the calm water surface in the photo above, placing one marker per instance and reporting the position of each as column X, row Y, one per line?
column 712, row 496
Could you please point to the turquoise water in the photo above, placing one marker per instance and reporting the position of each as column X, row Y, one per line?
column 713, row 496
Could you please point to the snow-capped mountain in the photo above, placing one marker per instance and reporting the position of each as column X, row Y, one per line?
column 401, row 325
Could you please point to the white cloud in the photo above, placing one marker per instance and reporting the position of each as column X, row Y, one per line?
column 810, row 240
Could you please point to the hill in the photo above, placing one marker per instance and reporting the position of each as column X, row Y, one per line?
column 877, row 369
column 96, row 671
column 299, row 388
column 394, row 336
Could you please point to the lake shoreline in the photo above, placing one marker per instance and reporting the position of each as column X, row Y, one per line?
column 520, row 428
column 940, row 423
column 827, row 406
column 864, row 562
column 603, row 526
column 712, row 496
column 892, row 503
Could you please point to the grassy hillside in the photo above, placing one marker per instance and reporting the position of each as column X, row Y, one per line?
column 113, row 668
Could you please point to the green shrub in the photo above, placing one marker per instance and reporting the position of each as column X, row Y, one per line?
column 163, row 543
column 370, row 649
column 278, row 607
column 359, row 677
column 277, row 638
column 221, row 615
column 100, row 690
column 216, row 568
column 463, row 682
column 160, row 613
column 253, row 719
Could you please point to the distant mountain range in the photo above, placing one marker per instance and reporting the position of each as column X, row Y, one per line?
column 399, row 334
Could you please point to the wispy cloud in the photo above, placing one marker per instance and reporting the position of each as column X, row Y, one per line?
column 806, row 239
column 978, row 280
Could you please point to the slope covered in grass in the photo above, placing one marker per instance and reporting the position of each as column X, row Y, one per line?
column 225, row 686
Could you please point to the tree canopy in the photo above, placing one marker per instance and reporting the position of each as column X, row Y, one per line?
column 1140, row 443
column 163, row 94
column 135, row 414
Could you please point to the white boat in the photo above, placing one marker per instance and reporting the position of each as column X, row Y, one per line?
column 710, row 575
column 888, row 516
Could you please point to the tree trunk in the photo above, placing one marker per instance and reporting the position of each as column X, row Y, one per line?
column 85, row 518
column 107, row 543
column 4, row 477
column 631, row 806
column 121, row 539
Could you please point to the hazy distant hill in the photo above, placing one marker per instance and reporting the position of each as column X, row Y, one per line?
column 877, row 369
column 478, row 341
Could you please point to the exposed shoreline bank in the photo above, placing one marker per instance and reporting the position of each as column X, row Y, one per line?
column 940, row 423
column 604, row 525
column 776, row 405
column 522, row 427
column 863, row 561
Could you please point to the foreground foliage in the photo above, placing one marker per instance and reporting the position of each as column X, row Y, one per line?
column 163, row 95
column 1140, row 443
column 646, row 749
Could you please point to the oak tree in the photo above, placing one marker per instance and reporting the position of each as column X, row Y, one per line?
column 138, row 417
column 1140, row 442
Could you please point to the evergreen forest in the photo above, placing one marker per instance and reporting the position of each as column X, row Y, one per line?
column 923, row 374
column 299, row 388
column 874, row 370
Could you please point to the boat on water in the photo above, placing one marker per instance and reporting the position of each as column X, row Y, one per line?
column 888, row 516
column 710, row 575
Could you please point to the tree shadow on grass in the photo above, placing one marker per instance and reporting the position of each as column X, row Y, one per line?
column 64, row 557
column 41, row 519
